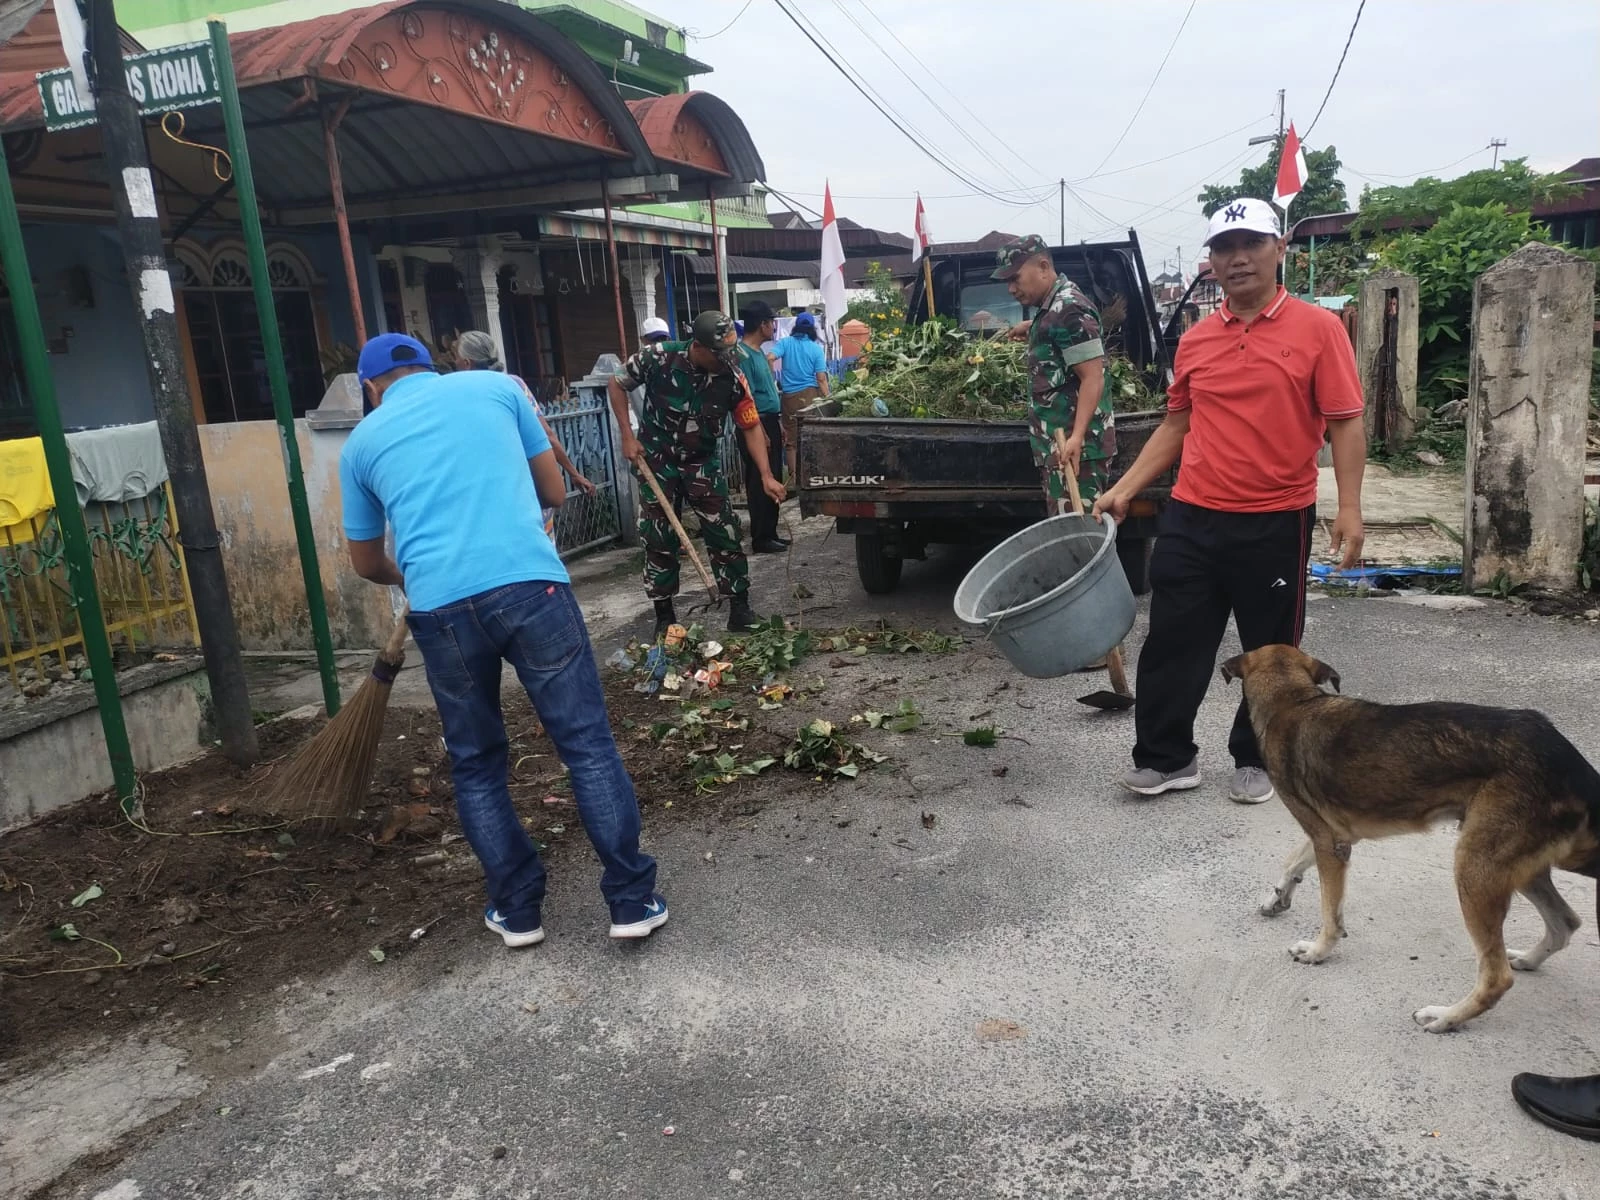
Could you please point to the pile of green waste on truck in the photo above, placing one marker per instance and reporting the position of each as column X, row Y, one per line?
column 935, row 370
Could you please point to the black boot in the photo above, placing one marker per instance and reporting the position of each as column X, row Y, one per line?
column 666, row 617
column 741, row 617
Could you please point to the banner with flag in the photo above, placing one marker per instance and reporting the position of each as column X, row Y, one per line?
column 832, row 275
column 921, row 239
column 1291, row 171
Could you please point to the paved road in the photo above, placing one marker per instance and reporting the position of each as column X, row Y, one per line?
column 1052, row 992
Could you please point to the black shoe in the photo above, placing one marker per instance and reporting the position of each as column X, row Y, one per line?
column 1570, row 1105
column 783, row 541
column 666, row 617
column 741, row 617
column 769, row 546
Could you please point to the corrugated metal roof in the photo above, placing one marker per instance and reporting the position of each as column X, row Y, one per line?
column 743, row 269
column 388, row 144
column 658, row 117
column 806, row 244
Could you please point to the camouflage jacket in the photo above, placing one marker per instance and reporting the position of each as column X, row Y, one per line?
column 685, row 408
column 1065, row 333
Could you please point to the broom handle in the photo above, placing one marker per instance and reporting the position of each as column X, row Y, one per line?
column 677, row 526
column 1114, row 667
column 395, row 646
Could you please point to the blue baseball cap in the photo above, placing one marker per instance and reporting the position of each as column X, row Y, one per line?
column 804, row 319
column 389, row 351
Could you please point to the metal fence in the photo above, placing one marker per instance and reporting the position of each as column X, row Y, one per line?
column 582, row 421
column 139, row 571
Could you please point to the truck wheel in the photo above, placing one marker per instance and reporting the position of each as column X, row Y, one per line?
column 879, row 572
column 1134, row 554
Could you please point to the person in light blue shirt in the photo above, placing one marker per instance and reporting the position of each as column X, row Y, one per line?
column 802, row 377
column 458, row 465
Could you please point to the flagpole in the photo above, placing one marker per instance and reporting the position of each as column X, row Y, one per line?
column 927, row 286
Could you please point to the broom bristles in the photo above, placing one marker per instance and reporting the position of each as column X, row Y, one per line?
column 329, row 780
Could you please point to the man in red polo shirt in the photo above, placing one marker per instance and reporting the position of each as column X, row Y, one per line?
column 1256, row 385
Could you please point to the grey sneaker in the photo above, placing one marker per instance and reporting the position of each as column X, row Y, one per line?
column 1147, row 781
column 1251, row 786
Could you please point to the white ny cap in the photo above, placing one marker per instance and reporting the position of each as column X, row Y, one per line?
column 1248, row 214
column 654, row 327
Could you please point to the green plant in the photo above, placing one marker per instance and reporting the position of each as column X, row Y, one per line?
column 1447, row 259
column 818, row 748
column 1511, row 186
column 1323, row 192
column 883, row 310
column 772, row 648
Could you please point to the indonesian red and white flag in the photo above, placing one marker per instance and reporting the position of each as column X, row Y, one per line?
column 832, row 275
column 1291, row 171
column 922, row 238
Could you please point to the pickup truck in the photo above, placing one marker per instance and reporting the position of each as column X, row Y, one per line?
column 899, row 485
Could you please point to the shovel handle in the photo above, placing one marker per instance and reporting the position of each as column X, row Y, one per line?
column 1068, row 475
column 677, row 525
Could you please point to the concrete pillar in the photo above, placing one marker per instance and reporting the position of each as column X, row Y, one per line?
column 1386, row 353
column 480, row 272
column 413, row 294
column 641, row 274
column 1528, row 404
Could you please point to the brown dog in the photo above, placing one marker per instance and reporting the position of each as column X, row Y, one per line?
column 1526, row 799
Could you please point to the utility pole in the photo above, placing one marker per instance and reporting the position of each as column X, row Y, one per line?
column 139, row 226
column 1495, row 144
column 1063, row 240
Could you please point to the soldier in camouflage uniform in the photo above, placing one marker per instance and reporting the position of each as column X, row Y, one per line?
column 1066, row 361
column 690, row 389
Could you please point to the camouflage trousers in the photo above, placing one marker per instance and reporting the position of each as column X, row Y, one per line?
column 1093, row 476
column 703, row 487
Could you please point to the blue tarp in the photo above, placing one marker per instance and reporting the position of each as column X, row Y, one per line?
column 1381, row 576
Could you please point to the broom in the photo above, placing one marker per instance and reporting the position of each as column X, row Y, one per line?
column 328, row 781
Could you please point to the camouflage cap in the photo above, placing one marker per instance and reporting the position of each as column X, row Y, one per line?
column 1013, row 254
column 713, row 330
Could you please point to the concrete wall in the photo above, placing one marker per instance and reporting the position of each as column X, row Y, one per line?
column 1376, row 291
column 1528, row 405
column 250, row 496
column 55, row 754
column 97, row 351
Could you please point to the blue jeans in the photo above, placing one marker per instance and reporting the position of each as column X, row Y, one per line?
column 537, row 628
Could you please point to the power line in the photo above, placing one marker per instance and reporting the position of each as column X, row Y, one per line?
column 1417, row 174
column 1221, row 137
column 934, row 75
column 1134, row 220
column 1336, row 71
column 982, row 150
column 706, row 37
column 793, row 203
column 836, row 61
column 1173, row 46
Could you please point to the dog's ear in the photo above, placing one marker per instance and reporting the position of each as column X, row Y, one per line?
column 1322, row 673
column 1230, row 670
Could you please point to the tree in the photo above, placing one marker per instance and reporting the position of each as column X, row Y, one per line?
column 1513, row 186
column 884, row 308
column 1447, row 258
column 1323, row 191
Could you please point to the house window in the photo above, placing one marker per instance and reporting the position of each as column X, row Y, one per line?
column 226, row 335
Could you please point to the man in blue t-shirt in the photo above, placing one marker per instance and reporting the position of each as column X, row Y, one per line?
column 757, row 370
column 802, row 377
column 458, row 465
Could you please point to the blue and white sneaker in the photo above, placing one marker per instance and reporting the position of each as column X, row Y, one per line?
column 638, row 920
column 514, row 937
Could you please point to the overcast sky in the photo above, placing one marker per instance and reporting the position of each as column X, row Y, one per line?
column 1423, row 89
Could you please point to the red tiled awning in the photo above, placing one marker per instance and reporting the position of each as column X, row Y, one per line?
column 700, row 136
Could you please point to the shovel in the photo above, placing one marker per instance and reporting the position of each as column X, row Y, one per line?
column 1120, row 698
column 677, row 528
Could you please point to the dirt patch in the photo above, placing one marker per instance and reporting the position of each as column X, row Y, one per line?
column 208, row 900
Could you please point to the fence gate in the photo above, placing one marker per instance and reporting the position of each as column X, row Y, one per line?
column 582, row 420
